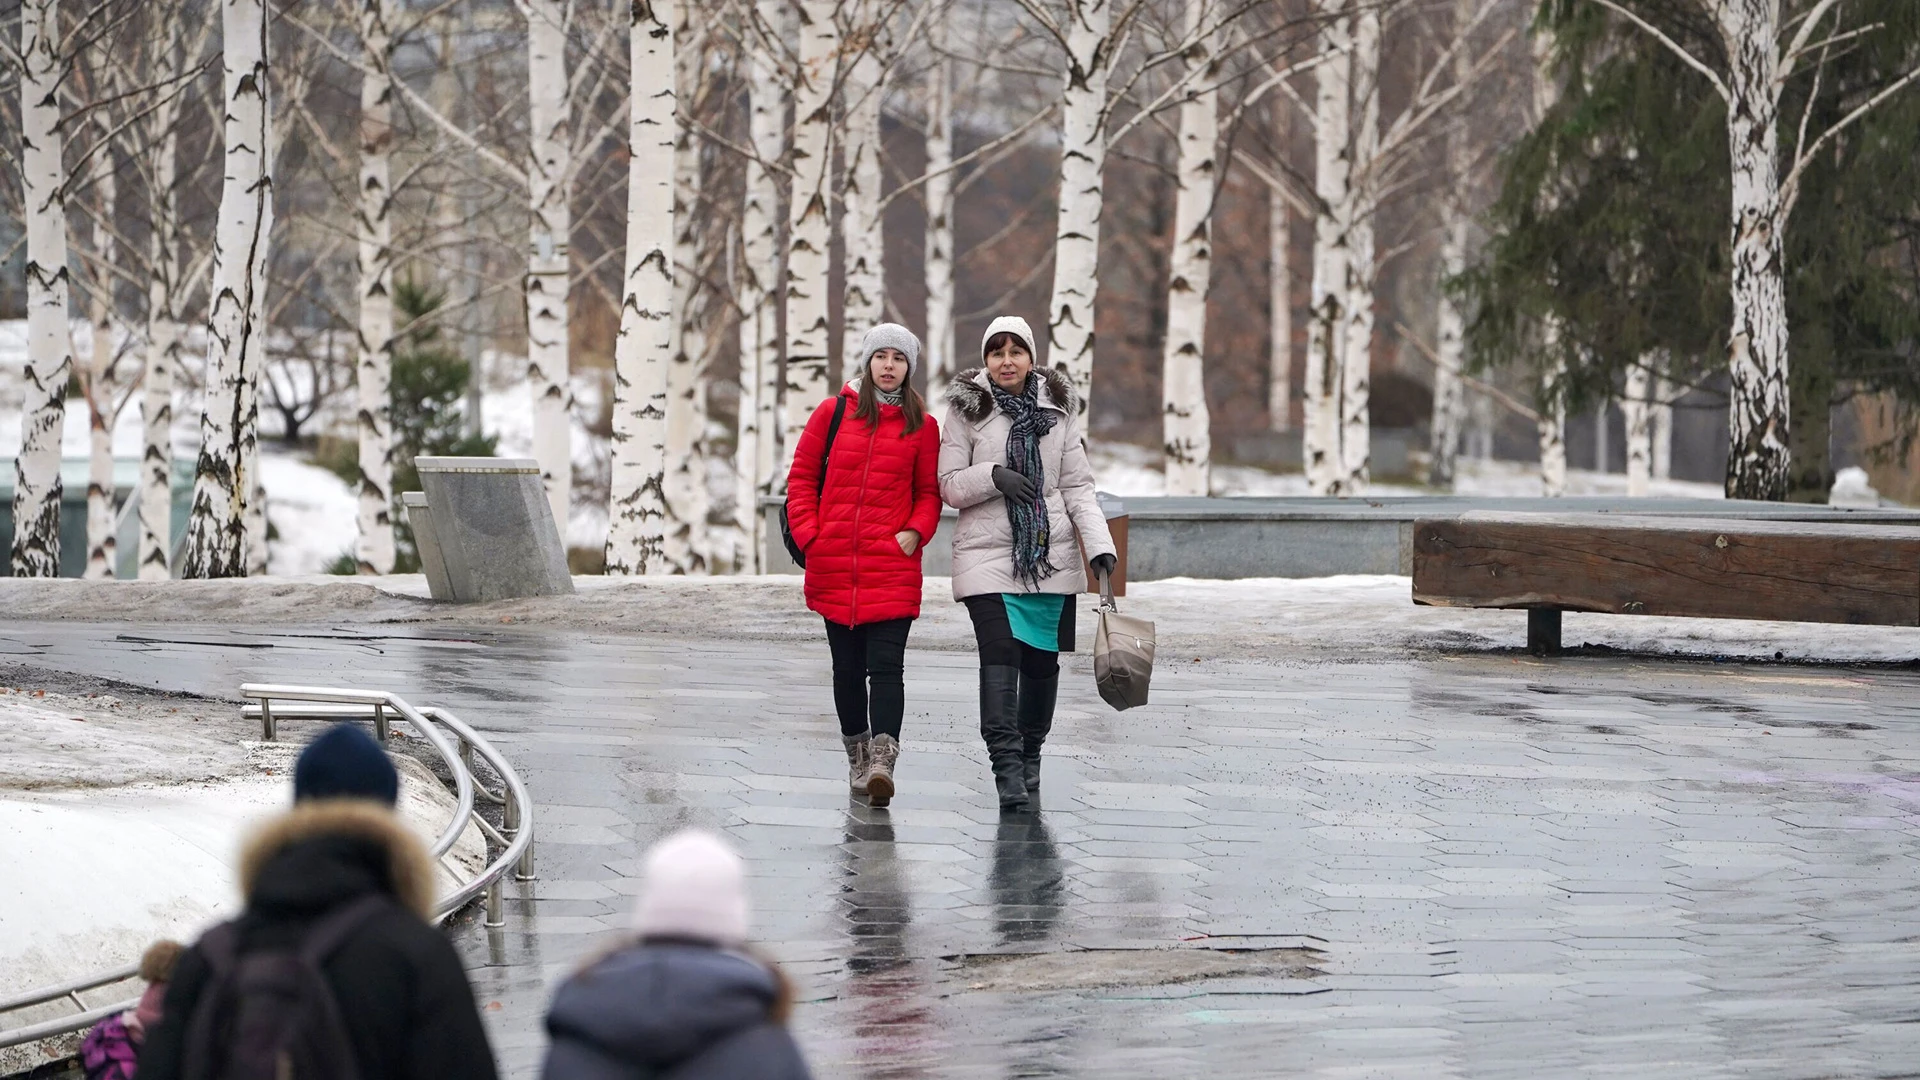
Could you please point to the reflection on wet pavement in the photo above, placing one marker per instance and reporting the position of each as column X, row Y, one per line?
column 1508, row 867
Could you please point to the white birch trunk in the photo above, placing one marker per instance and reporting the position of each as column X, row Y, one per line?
column 374, row 552
column 162, row 361
column 637, row 525
column 758, row 278
column 1280, row 308
column 1664, row 393
column 686, row 543
column 1603, row 438
column 809, row 221
column 863, row 300
column 549, row 174
column 1076, row 245
column 941, row 359
column 1185, row 432
column 1758, row 450
column 1552, row 405
column 1637, row 409
column 36, row 490
column 1449, row 391
column 100, row 384
column 256, row 516
column 1553, row 427
column 229, row 426
column 1326, row 328
column 1356, row 361
column 1449, row 388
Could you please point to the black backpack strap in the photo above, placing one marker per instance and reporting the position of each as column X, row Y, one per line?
column 839, row 411
column 219, row 947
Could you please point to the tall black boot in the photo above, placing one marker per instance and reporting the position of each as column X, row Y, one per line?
column 1000, row 729
column 1037, row 697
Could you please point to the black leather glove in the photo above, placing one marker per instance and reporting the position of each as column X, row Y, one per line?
column 1103, row 565
column 1012, row 484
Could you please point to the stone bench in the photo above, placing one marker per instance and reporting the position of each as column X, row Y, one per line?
column 485, row 530
column 1709, row 568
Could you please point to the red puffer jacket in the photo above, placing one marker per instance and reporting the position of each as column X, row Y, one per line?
column 881, row 480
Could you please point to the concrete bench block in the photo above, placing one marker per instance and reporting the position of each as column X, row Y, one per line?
column 427, row 544
column 493, row 528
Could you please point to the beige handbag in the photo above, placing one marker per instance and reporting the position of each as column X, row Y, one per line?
column 1122, row 653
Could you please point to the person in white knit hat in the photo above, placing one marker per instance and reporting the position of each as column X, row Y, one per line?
column 1013, row 462
column 683, row 998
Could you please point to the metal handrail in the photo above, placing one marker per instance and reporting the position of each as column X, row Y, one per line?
column 515, row 836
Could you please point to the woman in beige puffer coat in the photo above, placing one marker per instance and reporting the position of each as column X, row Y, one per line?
column 1013, row 463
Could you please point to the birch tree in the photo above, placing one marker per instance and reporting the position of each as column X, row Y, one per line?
column 938, row 267
column 1761, row 53
column 101, row 384
column 1449, row 391
column 1184, row 418
column 1086, row 33
column 756, row 434
column 1356, row 363
column 374, row 550
column 166, row 262
column 1280, row 311
column 224, row 483
column 809, row 226
column 1636, row 409
column 686, row 543
column 1552, row 403
column 43, row 176
column 863, row 300
column 550, row 170
column 1332, row 179
column 638, row 515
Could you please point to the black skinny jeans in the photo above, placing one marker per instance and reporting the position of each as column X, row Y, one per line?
column 873, row 653
column 993, row 632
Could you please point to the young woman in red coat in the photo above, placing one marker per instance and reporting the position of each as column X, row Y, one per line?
column 862, row 530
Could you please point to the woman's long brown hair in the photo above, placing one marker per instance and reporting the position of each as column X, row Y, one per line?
column 912, row 405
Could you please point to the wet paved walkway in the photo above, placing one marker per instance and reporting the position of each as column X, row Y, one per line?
column 1509, row 868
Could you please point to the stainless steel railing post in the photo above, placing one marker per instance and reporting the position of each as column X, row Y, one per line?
column 496, row 906
column 380, row 723
column 266, row 719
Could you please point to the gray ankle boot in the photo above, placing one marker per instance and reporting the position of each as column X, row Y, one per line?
column 1000, row 729
column 859, row 761
column 885, row 755
column 1037, row 698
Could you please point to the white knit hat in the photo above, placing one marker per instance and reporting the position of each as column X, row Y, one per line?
column 1010, row 324
column 889, row 335
column 694, row 886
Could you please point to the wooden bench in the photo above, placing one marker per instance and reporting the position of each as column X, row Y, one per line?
column 1692, row 567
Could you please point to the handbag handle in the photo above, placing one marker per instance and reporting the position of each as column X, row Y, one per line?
column 1106, row 592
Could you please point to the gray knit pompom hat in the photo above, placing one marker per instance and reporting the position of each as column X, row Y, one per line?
column 890, row 335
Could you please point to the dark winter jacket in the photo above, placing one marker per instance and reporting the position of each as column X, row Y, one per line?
column 402, row 992
column 674, row 1010
column 881, row 480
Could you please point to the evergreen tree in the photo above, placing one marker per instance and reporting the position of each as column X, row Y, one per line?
column 1613, row 219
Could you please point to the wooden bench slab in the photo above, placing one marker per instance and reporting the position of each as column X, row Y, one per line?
column 1691, row 567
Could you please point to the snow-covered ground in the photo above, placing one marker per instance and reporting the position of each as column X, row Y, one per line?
column 130, row 809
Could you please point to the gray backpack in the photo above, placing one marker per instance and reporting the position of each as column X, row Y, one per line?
column 269, row 1013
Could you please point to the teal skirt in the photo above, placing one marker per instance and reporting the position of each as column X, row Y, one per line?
column 1039, row 620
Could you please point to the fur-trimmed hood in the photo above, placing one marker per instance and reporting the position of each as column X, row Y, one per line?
column 970, row 392
column 333, row 845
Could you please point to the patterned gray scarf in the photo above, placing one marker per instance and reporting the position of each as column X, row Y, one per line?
column 1031, row 530
column 895, row 398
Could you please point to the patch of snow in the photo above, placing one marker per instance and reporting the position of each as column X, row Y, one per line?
column 313, row 511
column 1852, row 488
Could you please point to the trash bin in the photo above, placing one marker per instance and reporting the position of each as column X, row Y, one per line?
column 1116, row 514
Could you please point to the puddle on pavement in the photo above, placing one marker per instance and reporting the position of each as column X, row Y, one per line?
column 1094, row 969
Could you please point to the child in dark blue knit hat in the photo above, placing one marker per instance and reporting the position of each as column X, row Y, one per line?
column 344, row 762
